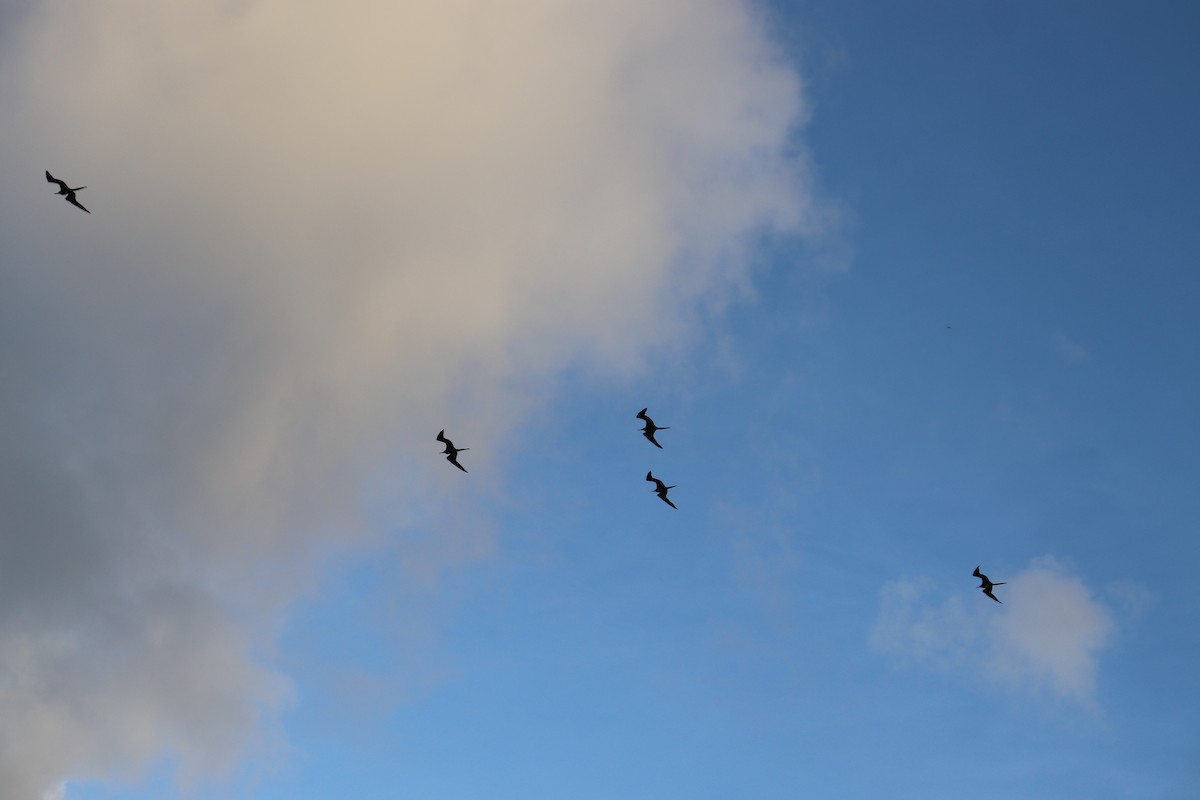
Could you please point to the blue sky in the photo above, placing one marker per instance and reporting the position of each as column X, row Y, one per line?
column 983, row 353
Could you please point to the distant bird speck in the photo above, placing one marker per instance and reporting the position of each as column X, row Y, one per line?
column 650, row 428
column 451, row 451
column 66, row 191
column 986, row 584
column 660, row 489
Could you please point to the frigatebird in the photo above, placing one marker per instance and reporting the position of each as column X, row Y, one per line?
column 660, row 489
column 67, row 191
column 451, row 451
column 986, row 584
column 650, row 428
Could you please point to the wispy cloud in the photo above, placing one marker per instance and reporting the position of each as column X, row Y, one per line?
column 1048, row 634
column 1068, row 349
column 1130, row 597
column 318, row 234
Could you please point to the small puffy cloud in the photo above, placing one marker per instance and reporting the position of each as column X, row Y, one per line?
column 1048, row 634
column 1052, row 631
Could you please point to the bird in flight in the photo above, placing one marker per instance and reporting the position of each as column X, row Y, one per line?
column 63, row 189
column 986, row 584
column 650, row 428
column 660, row 489
column 451, row 451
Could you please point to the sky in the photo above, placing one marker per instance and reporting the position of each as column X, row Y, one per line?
column 912, row 286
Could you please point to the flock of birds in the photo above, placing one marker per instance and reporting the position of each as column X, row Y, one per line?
column 648, row 430
column 451, row 452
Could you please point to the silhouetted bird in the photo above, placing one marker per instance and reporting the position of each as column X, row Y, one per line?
column 986, row 584
column 63, row 189
column 451, row 451
column 650, row 428
column 660, row 489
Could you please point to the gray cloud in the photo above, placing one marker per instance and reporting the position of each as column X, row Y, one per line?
column 1048, row 634
column 318, row 234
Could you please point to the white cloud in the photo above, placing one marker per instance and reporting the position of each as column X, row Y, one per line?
column 319, row 234
column 1048, row 634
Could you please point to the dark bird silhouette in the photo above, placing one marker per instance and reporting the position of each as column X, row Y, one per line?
column 650, row 428
column 660, row 489
column 451, row 451
column 986, row 584
column 67, row 191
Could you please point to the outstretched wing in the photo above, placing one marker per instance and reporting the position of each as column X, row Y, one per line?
column 71, row 199
column 988, row 592
column 640, row 415
column 649, row 434
column 668, row 502
column 441, row 437
column 51, row 179
column 453, row 459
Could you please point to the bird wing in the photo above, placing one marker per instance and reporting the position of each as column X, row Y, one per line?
column 441, row 437
column 452, row 458
column 650, row 475
column 51, row 179
column 640, row 415
column 650, row 435
column 668, row 502
column 71, row 199
column 977, row 573
column 988, row 592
